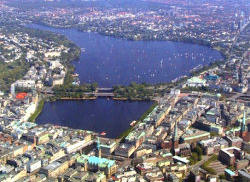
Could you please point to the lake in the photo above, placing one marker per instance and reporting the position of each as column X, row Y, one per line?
column 110, row 61
column 98, row 115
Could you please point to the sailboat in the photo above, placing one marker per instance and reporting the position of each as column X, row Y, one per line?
column 161, row 63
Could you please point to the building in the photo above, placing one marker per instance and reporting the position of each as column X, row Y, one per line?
column 34, row 165
column 229, row 174
column 241, row 164
column 234, row 141
column 243, row 131
column 107, row 145
column 229, row 155
column 125, row 150
column 143, row 150
column 243, row 176
column 25, row 83
column 136, row 138
column 57, row 80
column 180, row 159
column 55, row 168
column 208, row 126
column 107, row 166
column 213, row 145
column 94, row 164
column 194, row 135
column 196, row 82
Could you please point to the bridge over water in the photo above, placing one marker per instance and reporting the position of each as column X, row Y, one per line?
column 100, row 92
column 104, row 89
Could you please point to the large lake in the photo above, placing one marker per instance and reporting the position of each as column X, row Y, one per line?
column 110, row 61
column 99, row 115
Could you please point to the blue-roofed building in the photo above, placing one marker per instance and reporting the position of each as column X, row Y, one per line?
column 229, row 174
column 212, row 77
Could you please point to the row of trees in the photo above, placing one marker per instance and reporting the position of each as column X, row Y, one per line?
column 141, row 91
column 73, row 91
column 134, row 91
column 196, row 155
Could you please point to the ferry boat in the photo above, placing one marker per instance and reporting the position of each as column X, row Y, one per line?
column 75, row 75
column 103, row 133
column 133, row 123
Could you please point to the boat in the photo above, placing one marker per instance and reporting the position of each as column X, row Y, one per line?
column 103, row 133
column 133, row 123
column 75, row 75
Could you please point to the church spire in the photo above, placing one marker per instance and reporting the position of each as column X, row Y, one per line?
column 243, row 124
column 99, row 148
column 175, row 137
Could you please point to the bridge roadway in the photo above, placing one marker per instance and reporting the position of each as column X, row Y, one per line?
column 104, row 89
column 100, row 92
column 96, row 94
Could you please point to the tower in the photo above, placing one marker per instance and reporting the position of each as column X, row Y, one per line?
column 13, row 90
column 175, row 139
column 243, row 125
column 99, row 148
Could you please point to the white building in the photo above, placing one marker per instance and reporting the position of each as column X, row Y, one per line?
column 196, row 82
column 25, row 83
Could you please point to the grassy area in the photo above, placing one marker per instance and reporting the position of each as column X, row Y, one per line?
column 194, row 158
column 37, row 112
column 206, row 164
column 10, row 72
column 222, row 176
column 126, row 132
column 214, row 134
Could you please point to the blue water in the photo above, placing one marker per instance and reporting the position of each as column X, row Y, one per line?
column 99, row 115
column 110, row 61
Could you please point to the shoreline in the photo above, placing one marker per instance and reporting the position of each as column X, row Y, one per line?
column 37, row 112
column 74, row 98
column 142, row 117
column 181, row 40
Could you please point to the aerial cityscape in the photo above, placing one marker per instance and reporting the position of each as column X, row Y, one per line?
column 124, row 90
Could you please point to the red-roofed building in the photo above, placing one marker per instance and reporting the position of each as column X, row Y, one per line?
column 21, row 96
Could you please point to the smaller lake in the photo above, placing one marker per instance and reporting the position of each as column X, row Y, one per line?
column 98, row 115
